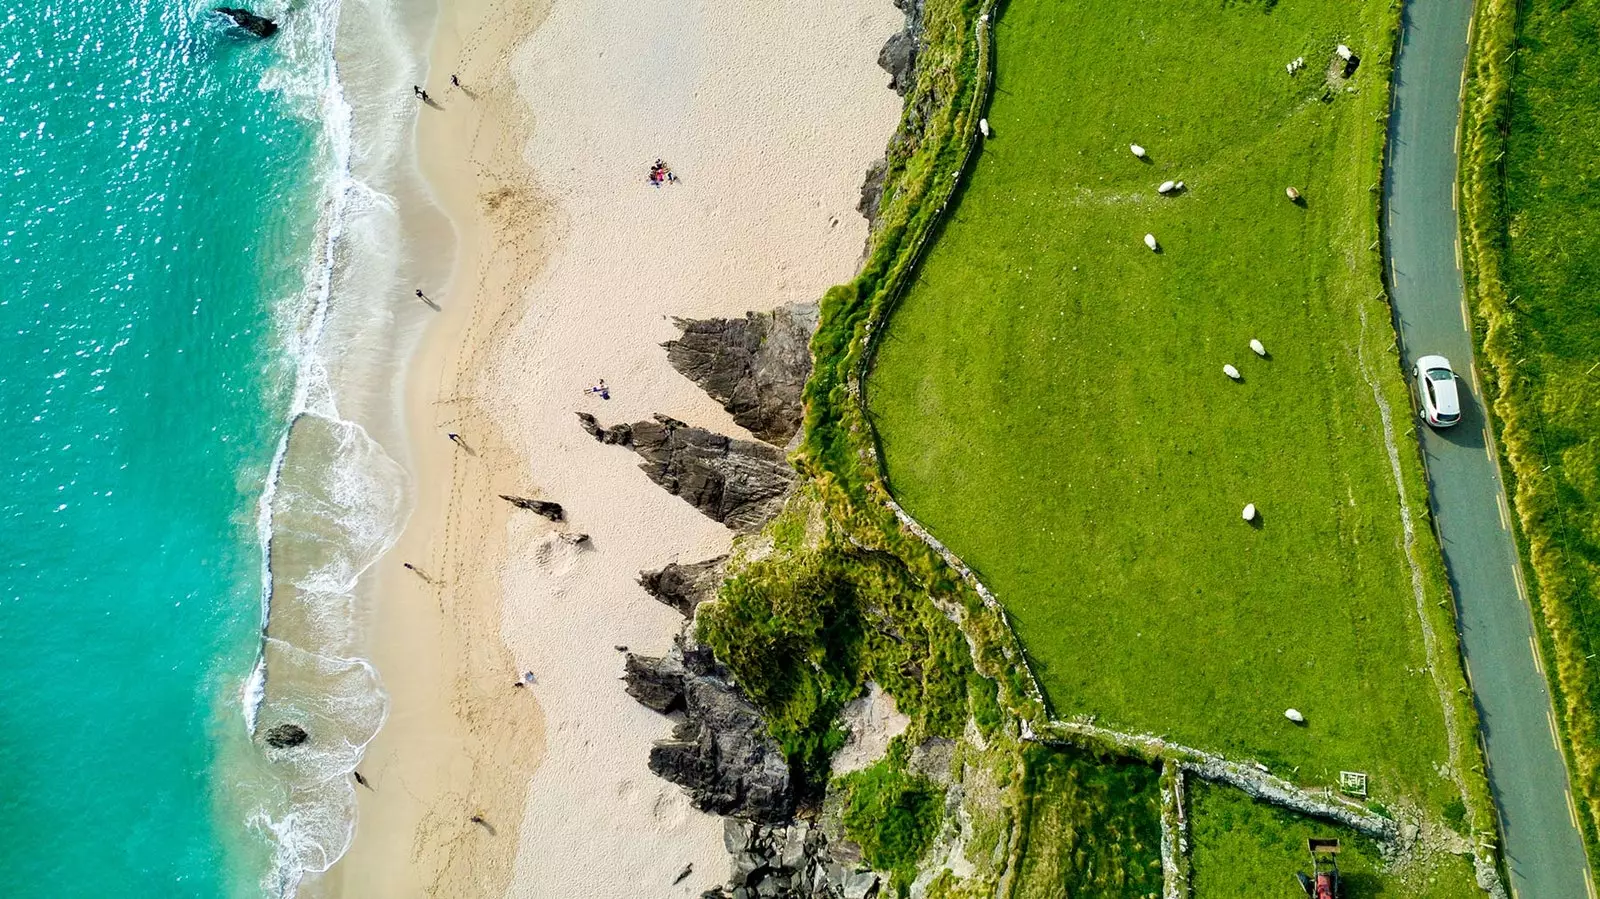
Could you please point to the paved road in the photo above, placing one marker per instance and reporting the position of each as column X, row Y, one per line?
column 1526, row 769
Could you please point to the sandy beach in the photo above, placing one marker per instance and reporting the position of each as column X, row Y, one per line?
column 569, row 269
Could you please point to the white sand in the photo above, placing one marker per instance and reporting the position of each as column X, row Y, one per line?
column 770, row 113
column 569, row 268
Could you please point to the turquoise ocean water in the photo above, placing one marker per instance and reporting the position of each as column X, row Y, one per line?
column 170, row 235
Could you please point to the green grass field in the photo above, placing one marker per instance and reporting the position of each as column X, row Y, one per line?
column 1092, row 829
column 1051, row 403
column 1245, row 850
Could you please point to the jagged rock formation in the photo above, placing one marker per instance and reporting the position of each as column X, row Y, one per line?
column 552, row 511
column 872, row 191
column 284, row 736
column 684, row 586
column 788, row 862
column 721, row 752
column 247, row 21
column 755, row 367
column 740, row 483
column 899, row 56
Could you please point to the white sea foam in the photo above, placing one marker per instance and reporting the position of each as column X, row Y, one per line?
column 334, row 501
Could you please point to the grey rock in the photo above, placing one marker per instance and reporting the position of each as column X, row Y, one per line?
column 656, row 682
column 794, row 849
column 740, row 483
column 872, row 190
column 735, row 835
column 552, row 511
column 684, row 586
column 721, row 752
column 860, row 885
column 248, row 22
column 899, row 58
column 756, row 367
column 284, row 736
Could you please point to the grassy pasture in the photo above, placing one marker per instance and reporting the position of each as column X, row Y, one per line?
column 1245, row 850
column 1050, row 399
column 1091, row 829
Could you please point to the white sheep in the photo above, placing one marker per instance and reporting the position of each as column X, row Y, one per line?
column 1250, row 512
column 1345, row 53
column 1150, row 241
column 1292, row 194
column 1137, row 150
column 1231, row 372
column 1294, row 715
column 1257, row 346
column 1167, row 187
column 983, row 127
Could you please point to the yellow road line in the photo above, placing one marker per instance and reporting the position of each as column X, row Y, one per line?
column 1572, row 809
column 1588, row 881
column 1458, row 255
column 1505, row 517
column 1488, row 446
column 1522, row 588
column 1466, row 315
column 1555, row 737
column 1537, row 662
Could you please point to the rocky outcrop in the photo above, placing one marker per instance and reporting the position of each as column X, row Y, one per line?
column 788, row 862
column 899, row 56
column 740, row 483
column 284, row 736
column 248, row 22
column 656, row 682
column 754, row 366
column 721, row 752
column 684, row 586
column 552, row 511
column 872, row 191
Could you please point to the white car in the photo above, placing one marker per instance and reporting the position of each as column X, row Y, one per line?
column 1441, row 400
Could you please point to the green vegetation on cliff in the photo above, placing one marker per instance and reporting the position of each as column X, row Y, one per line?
column 1531, row 220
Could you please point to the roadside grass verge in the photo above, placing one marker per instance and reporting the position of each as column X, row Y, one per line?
column 1051, row 403
column 1246, row 850
column 1530, row 211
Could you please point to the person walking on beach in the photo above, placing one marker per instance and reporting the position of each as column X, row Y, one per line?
column 361, row 780
column 454, row 81
column 421, row 94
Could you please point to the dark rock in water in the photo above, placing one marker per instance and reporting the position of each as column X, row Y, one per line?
column 872, row 190
column 283, row 736
column 684, row 586
column 721, row 752
column 247, row 21
column 740, row 483
column 552, row 511
column 755, row 367
column 656, row 683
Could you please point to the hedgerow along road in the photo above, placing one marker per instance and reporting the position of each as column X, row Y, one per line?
column 1527, row 769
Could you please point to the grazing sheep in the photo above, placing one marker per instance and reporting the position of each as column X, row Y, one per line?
column 1292, row 194
column 1250, row 512
column 1231, row 372
column 1137, row 150
column 1294, row 715
column 1167, row 187
column 983, row 127
column 1150, row 241
column 1345, row 53
column 1259, row 349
